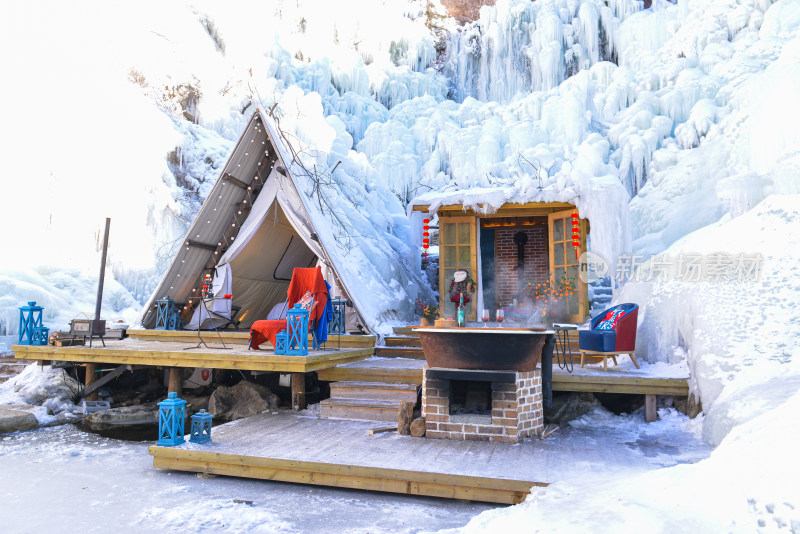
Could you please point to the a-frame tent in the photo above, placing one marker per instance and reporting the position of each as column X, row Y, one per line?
column 254, row 220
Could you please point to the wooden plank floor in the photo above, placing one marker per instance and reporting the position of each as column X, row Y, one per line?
column 239, row 337
column 340, row 453
column 623, row 378
column 184, row 354
column 305, row 449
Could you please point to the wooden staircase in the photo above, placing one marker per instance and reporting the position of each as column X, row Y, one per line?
column 402, row 346
column 359, row 391
column 9, row 366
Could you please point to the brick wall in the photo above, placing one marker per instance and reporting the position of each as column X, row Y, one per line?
column 537, row 262
column 516, row 410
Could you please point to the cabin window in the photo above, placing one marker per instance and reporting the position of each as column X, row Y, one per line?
column 457, row 250
column 564, row 263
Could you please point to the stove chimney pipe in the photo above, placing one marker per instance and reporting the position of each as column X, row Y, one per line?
column 102, row 272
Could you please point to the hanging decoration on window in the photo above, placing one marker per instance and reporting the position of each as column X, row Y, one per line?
column 576, row 232
column 426, row 235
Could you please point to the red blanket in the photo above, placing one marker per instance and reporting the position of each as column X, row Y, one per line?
column 266, row 330
column 303, row 279
column 308, row 279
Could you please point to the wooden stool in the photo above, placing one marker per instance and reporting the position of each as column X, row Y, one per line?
column 605, row 355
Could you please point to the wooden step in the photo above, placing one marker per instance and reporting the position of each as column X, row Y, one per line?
column 404, row 331
column 402, row 341
column 371, row 410
column 414, row 353
column 371, row 374
column 374, row 391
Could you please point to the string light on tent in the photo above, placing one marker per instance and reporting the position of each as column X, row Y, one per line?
column 240, row 209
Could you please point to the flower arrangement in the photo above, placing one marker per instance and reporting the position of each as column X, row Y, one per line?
column 428, row 311
column 551, row 298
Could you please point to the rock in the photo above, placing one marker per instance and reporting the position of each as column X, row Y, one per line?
column 242, row 400
column 126, row 415
column 13, row 418
column 465, row 11
column 418, row 427
column 568, row 407
column 196, row 403
column 689, row 406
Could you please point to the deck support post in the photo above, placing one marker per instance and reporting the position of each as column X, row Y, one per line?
column 91, row 378
column 298, row 395
column 175, row 381
column 650, row 408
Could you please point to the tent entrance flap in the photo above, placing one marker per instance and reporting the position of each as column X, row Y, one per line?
column 262, row 268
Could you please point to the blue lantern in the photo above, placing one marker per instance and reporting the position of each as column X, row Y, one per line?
column 171, row 415
column 280, row 343
column 201, row 427
column 297, row 331
column 167, row 315
column 30, row 318
column 337, row 326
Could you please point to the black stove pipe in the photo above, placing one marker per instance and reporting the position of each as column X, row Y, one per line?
column 547, row 371
column 102, row 272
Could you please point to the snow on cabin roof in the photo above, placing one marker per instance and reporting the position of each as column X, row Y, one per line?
column 603, row 200
column 483, row 200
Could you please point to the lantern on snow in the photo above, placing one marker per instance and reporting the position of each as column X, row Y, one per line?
column 576, row 232
column 426, row 235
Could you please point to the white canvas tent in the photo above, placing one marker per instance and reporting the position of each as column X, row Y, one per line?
column 256, row 225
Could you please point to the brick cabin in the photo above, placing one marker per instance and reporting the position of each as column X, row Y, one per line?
column 488, row 246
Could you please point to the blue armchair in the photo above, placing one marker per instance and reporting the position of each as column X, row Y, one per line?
column 613, row 332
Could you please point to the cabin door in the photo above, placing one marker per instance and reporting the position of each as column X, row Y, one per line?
column 564, row 263
column 457, row 250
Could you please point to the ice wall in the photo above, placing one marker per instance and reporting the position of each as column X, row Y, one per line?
column 735, row 326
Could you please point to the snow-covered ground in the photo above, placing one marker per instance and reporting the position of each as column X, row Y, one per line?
column 64, row 480
column 90, row 482
column 748, row 484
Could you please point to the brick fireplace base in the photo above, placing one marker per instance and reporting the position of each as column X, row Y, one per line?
column 516, row 409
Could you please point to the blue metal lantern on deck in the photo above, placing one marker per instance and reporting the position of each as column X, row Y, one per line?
column 280, row 343
column 337, row 325
column 297, row 331
column 30, row 318
column 201, row 427
column 171, row 415
column 167, row 315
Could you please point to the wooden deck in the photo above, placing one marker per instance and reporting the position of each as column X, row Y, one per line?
column 184, row 354
column 239, row 337
column 618, row 379
column 288, row 448
column 329, row 452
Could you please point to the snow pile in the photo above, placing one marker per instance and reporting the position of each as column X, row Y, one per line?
column 50, row 390
column 737, row 319
column 738, row 488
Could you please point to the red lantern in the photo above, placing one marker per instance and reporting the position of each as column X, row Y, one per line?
column 576, row 232
column 425, row 234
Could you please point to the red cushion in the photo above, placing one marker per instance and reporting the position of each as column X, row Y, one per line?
column 306, row 301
